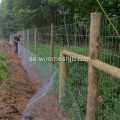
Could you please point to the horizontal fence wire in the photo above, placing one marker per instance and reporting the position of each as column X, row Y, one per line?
column 77, row 35
column 109, row 87
column 108, row 97
column 76, row 82
column 110, row 42
column 75, row 38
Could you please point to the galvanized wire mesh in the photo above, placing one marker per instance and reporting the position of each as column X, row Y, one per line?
column 75, row 38
column 110, row 42
column 109, row 87
column 76, row 82
column 108, row 97
column 40, row 69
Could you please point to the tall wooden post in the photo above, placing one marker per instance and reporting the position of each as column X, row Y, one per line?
column 52, row 50
column 92, row 99
column 62, row 75
column 39, row 35
column 13, row 47
column 28, row 39
column 35, row 41
column 23, row 38
column 52, row 44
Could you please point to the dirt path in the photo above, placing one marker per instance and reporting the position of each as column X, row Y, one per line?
column 18, row 90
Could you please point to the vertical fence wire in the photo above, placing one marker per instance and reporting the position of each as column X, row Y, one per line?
column 75, row 94
column 76, row 84
column 109, row 87
column 110, row 42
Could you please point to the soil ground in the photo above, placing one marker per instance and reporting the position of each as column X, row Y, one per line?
column 18, row 89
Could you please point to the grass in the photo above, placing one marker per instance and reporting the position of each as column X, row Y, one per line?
column 77, row 77
column 106, row 55
column 5, row 70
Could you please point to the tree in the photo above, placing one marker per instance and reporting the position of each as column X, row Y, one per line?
column 25, row 14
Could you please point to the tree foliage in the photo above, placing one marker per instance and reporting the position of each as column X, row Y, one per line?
column 16, row 15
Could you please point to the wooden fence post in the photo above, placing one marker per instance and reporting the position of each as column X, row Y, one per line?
column 52, row 50
column 13, row 47
column 39, row 35
column 23, row 38
column 35, row 41
column 28, row 39
column 62, row 75
column 92, row 99
column 52, row 44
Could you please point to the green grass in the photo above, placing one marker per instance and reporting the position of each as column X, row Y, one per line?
column 77, row 82
column 5, row 70
column 77, row 73
column 106, row 55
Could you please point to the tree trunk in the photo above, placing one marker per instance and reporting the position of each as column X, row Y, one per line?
column 119, row 47
column 67, row 38
column 75, row 32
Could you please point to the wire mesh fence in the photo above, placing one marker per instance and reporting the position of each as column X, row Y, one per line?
column 76, row 80
column 74, row 38
column 108, row 97
column 110, row 42
column 109, row 87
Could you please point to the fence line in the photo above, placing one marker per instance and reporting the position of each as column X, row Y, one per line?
column 51, row 40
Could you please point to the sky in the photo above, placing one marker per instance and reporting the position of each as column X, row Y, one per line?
column 0, row 1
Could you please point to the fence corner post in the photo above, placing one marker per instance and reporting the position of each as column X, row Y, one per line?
column 62, row 75
column 92, row 99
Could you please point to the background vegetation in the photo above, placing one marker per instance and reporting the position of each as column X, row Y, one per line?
column 16, row 15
